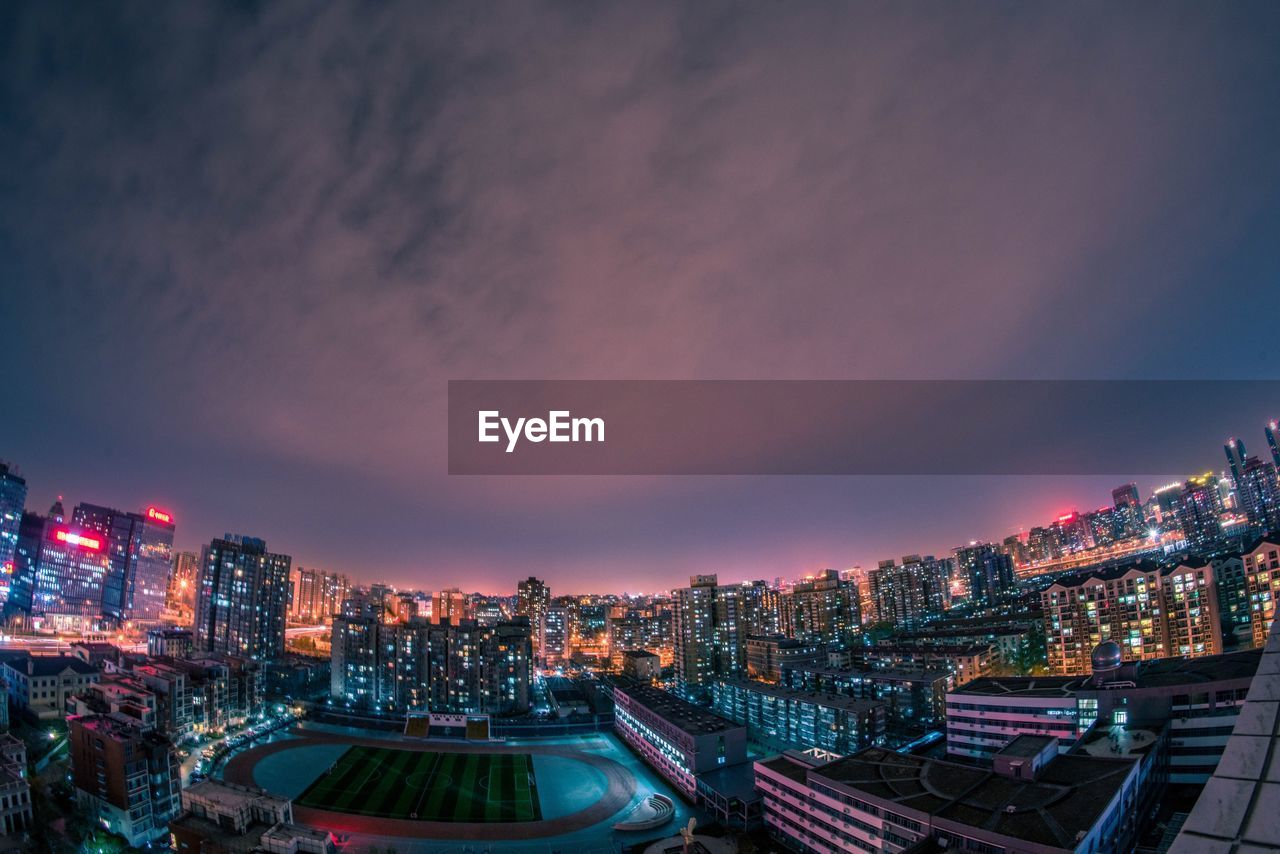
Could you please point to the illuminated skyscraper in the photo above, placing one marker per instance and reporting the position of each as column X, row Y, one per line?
column 913, row 592
column 1259, row 493
column 1272, row 429
column 555, row 640
column 13, row 499
column 1128, row 505
column 141, row 550
column 694, row 634
column 317, row 595
column 533, row 597
column 1198, row 513
column 1234, row 449
column 59, row 573
column 989, row 572
column 823, row 609
column 242, row 598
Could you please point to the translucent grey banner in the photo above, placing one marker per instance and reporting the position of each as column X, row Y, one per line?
column 868, row 427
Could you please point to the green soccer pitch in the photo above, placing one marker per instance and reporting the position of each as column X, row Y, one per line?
column 409, row 784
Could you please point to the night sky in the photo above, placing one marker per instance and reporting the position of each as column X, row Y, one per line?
column 243, row 247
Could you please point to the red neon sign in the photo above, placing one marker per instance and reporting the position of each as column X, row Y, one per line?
column 82, row 540
column 158, row 515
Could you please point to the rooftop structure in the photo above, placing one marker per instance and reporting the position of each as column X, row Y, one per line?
column 692, row 719
column 1069, row 803
column 1237, row 811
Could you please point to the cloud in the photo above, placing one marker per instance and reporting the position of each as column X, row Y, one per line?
column 288, row 225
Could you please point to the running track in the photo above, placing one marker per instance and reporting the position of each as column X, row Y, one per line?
column 621, row 789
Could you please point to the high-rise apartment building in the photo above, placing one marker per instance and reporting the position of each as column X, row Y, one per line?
column 1258, row 494
column 694, row 634
column 13, row 499
column 533, row 598
column 711, row 623
column 913, row 592
column 140, row 546
column 1149, row 610
column 452, row 605
column 1262, row 584
column 242, row 598
column 988, row 571
column 822, row 609
column 648, row 631
column 555, row 637
column 465, row 668
column 1198, row 513
column 317, row 595
column 1128, row 505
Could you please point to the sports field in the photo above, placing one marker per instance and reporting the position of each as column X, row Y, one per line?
column 411, row 784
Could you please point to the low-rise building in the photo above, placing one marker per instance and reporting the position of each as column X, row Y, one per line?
column 1197, row 699
column 680, row 740
column 41, row 685
column 641, row 665
column 915, row 700
column 98, row 654
column 968, row 661
column 567, row 699
column 127, row 778
column 171, row 642
column 1237, row 809
column 219, row 816
column 882, row 801
column 119, row 695
column 15, row 790
column 779, row 719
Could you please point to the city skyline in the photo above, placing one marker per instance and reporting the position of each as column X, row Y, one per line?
column 807, row 570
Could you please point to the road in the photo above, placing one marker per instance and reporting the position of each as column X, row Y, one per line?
column 46, row 645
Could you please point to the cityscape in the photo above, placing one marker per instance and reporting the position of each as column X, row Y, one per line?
column 547, row 427
column 1078, row 687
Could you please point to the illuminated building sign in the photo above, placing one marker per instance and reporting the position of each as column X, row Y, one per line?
column 159, row 515
column 84, row 541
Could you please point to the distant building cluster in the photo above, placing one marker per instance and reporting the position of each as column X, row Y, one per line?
column 469, row 667
column 1032, row 694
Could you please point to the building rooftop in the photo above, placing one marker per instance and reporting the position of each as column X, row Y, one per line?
column 899, row 674
column 95, row 647
column 1158, row 673
column 694, row 720
column 1238, row 807
column 1065, row 800
column 228, row 799
column 288, row 834
column 1028, row 745
column 638, row 653
column 116, row 727
column 50, row 665
column 788, row 766
column 1024, row 686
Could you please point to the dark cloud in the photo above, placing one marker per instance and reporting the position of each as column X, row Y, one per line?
column 244, row 246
